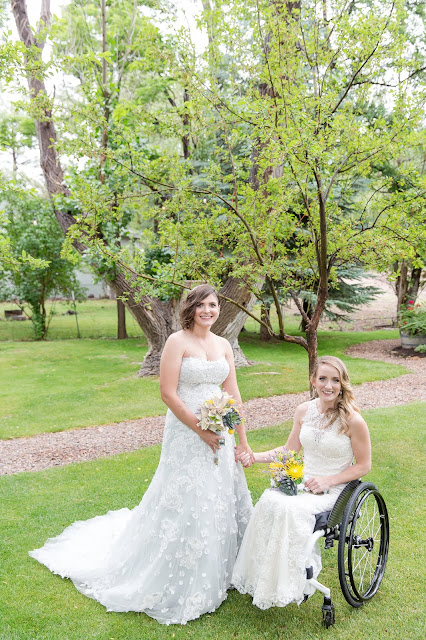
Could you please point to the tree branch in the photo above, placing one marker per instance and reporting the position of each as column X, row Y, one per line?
column 360, row 68
column 299, row 306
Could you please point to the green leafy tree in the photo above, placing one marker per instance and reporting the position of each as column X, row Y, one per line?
column 334, row 94
column 128, row 97
column 408, row 275
column 33, row 231
column 317, row 95
column 17, row 132
column 9, row 259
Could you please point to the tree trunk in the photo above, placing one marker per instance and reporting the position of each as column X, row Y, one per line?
column 231, row 319
column 311, row 338
column 401, row 286
column 308, row 310
column 264, row 334
column 121, row 320
column 407, row 285
column 414, row 286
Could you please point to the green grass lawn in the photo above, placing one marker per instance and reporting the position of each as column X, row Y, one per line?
column 36, row 605
column 62, row 384
column 96, row 319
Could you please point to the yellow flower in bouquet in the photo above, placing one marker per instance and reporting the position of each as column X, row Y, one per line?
column 276, row 465
column 294, row 469
column 286, row 471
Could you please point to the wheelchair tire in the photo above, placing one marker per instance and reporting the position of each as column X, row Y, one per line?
column 363, row 544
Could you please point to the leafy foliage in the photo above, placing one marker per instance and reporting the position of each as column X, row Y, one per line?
column 315, row 134
column 33, row 231
column 16, row 132
column 413, row 320
column 345, row 294
column 260, row 158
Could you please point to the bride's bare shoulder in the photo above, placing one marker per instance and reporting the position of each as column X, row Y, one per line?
column 175, row 345
column 301, row 410
column 176, row 337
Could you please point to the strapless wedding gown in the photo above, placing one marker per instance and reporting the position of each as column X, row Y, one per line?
column 171, row 556
column 270, row 564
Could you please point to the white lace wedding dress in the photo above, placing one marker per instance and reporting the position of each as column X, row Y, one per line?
column 270, row 564
column 171, row 556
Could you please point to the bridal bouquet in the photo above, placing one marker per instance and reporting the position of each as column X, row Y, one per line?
column 286, row 471
column 220, row 414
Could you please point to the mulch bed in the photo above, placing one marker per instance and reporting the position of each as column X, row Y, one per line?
column 407, row 353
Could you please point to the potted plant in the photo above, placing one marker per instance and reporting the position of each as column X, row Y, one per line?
column 412, row 325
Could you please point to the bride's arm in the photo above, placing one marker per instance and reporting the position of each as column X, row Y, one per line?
column 230, row 385
column 171, row 360
column 293, row 442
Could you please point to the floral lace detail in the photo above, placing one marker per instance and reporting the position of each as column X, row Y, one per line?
column 191, row 550
column 326, row 451
column 172, row 555
column 270, row 564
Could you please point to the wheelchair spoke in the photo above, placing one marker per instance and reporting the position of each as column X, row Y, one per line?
column 367, row 565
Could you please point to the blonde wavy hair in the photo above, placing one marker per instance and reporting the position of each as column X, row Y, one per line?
column 345, row 405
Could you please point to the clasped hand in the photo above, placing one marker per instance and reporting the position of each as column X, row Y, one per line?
column 245, row 455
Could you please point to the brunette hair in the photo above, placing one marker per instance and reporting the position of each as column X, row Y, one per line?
column 345, row 405
column 194, row 297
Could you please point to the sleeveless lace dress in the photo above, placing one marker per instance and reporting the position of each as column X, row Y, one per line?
column 270, row 564
column 171, row 556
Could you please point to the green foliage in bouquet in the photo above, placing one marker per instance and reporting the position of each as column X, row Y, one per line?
column 286, row 471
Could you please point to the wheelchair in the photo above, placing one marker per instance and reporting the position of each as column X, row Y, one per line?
column 359, row 521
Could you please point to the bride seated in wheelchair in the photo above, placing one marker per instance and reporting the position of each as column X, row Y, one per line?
column 271, row 564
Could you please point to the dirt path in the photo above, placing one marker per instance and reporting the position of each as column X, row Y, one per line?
column 79, row 445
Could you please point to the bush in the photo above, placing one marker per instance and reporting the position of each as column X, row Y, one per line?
column 413, row 319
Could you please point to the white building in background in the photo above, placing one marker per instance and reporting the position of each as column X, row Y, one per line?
column 98, row 289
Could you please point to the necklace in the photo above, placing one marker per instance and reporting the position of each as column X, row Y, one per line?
column 203, row 348
column 319, row 428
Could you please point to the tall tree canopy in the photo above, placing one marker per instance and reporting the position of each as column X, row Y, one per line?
column 122, row 66
column 258, row 161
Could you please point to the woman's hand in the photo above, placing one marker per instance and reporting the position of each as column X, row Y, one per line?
column 211, row 438
column 244, row 454
column 320, row 484
column 245, row 459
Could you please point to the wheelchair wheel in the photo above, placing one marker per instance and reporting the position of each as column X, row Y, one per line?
column 363, row 544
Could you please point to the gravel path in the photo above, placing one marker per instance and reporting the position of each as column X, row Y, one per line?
column 78, row 445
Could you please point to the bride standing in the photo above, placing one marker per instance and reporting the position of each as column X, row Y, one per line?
column 172, row 556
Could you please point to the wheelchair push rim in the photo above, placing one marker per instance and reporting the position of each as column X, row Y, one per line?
column 363, row 545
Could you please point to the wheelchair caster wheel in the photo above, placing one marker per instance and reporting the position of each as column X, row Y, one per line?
column 327, row 613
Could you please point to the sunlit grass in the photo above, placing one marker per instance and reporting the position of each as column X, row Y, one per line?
column 36, row 605
column 95, row 319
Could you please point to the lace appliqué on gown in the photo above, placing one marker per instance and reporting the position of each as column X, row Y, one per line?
column 270, row 564
column 172, row 555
